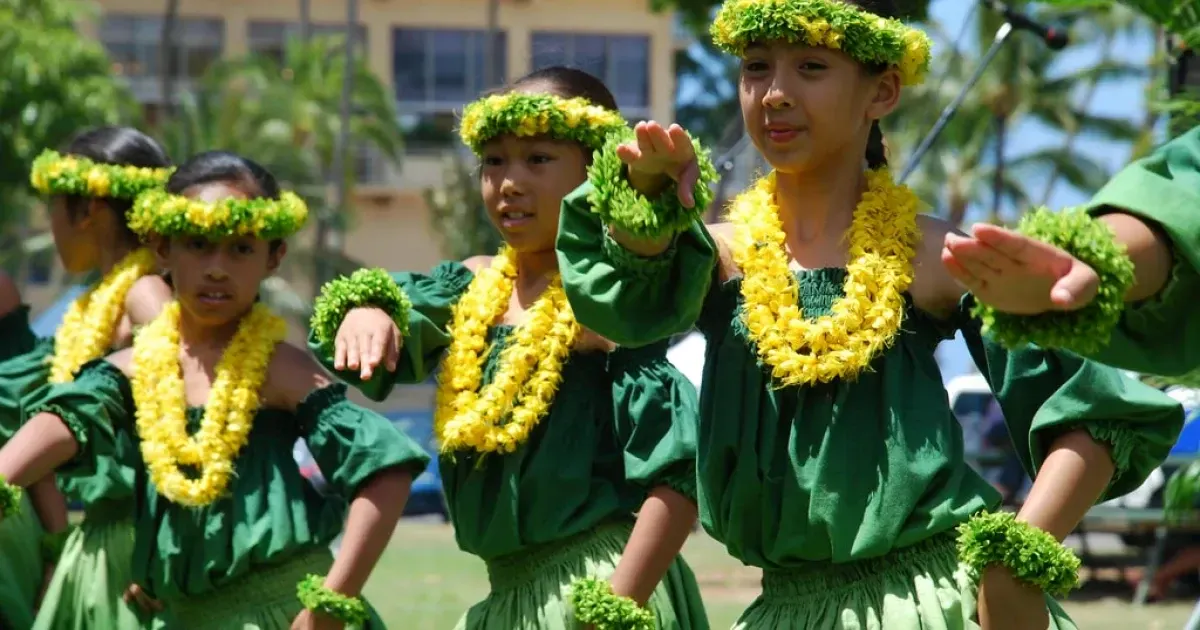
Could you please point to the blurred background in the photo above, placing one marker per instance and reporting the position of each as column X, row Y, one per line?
column 353, row 104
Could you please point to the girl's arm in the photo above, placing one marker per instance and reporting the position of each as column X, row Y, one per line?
column 10, row 296
column 50, row 504
column 146, row 299
column 40, row 446
column 373, row 516
column 663, row 526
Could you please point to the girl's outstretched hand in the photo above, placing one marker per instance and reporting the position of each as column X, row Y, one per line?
column 309, row 620
column 138, row 596
column 366, row 338
column 658, row 155
column 1007, row 604
column 1017, row 274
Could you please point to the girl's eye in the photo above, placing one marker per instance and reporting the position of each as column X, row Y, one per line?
column 197, row 244
column 491, row 160
column 540, row 158
column 812, row 66
column 754, row 66
column 244, row 249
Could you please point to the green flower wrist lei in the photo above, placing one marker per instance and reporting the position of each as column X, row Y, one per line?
column 10, row 499
column 52, row 545
column 315, row 597
column 596, row 604
column 365, row 287
column 614, row 199
column 1083, row 331
column 1031, row 554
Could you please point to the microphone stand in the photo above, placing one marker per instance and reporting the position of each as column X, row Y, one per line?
column 1002, row 35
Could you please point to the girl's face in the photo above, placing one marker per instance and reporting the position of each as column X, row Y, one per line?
column 216, row 282
column 805, row 106
column 74, row 235
column 524, row 181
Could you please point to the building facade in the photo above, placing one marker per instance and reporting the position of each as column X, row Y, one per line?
column 432, row 55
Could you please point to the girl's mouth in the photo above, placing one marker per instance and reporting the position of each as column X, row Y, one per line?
column 510, row 220
column 214, row 297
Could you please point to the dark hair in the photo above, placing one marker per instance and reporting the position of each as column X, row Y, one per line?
column 876, row 155
column 224, row 166
column 121, row 146
column 568, row 83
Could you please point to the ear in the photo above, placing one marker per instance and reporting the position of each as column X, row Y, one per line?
column 92, row 209
column 276, row 257
column 887, row 94
column 161, row 248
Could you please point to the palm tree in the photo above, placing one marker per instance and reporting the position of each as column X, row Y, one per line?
column 1022, row 84
column 458, row 213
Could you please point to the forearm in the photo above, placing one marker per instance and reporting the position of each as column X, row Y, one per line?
column 1072, row 478
column 42, row 445
column 50, row 504
column 373, row 517
column 662, row 527
column 1149, row 249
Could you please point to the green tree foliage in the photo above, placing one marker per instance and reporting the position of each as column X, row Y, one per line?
column 458, row 213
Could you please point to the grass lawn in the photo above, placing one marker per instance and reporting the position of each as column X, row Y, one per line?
column 424, row 583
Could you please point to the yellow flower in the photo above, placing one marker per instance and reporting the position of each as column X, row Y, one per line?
column 87, row 328
column 467, row 416
column 864, row 322
column 98, row 182
column 160, row 397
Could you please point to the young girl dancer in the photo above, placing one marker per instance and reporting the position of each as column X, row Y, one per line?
column 829, row 455
column 228, row 531
column 1127, row 262
column 551, row 439
column 89, row 189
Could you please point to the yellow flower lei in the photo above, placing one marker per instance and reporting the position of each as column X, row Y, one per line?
column 86, row 331
column 863, row 322
column 530, row 366
column 55, row 174
column 158, row 392
column 524, row 115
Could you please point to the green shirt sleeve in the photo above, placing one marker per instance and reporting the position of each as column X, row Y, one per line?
column 1045, row 393
column 350, row 443
column 95, row 406
column 433, row 296
column 630, row 299
column 16, row 337
column 656, row 416
column 1161, row 335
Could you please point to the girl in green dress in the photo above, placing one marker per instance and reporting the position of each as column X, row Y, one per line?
column 1114, row 280
column 228, row 532
column 829, row 456
column 551, row 438
column 89, row 189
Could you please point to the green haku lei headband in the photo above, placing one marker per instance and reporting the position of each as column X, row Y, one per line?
column 524, row 115
column 57, row 174
column 867, row 38
column 157, row 212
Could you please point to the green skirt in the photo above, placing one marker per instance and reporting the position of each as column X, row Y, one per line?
column 20, row 567
column 89, row 583
column 264, row 599
column 922, row 587
column 530, row 589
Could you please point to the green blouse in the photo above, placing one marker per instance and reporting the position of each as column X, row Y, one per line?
column 16, row 337
column 621, row 423
column 844, row 471
column 271, row 512
column 1161, row 335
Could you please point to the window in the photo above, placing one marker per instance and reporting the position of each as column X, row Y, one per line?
column 134, row 44
column 622, row 61
column 439, row 70
column 268, row 38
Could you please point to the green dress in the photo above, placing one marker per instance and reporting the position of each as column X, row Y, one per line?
column 561, row 506
column 21, row 566
column 236, row 563
column 1161, row 335
column 848, row 494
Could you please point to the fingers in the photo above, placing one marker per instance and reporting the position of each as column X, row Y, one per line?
column 659, row 138
column 682, row 143
column 393, row 351
column 1023, row 249
column 339, row 352
column 960, row 273
column 629, row 153
column 687, row 184
column 1076, row 289
column 352, row 352
column 974, row 257
column 371, row 346
column 135, row 595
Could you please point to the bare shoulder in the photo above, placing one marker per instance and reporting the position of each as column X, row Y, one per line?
column 146, row 298
column 722, row 234
column 292, row 376
column 475, row 263
column 934, row 290
column 122, row 360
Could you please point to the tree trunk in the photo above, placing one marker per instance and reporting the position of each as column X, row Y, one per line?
column 491, row 70
column 326, row 228
column 305, row 20
column 167, row 59
column 998, row 175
